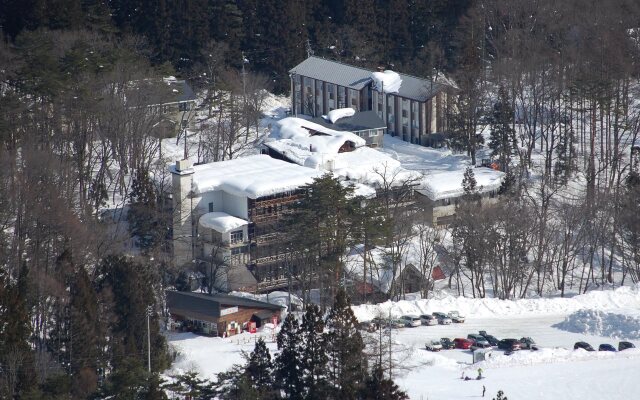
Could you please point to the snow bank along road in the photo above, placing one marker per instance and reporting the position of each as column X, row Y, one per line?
column 554, row 372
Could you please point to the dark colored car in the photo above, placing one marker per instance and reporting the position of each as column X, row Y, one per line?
column 447, row 343
column 493, row 341
column 477, row 338
column 509, row 344
column 368, row 326
column 626, row 345
column 462, row 343
column 583, row 345
column 606, row 347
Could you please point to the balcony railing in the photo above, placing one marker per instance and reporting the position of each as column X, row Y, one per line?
column 269, row 259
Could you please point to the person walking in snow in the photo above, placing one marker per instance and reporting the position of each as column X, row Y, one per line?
column 484, row 389
column 462, row 376
column 479, row 373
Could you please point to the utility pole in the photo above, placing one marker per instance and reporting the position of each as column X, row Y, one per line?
column 309, row 49
column 244, row 99
column 244, row 84
column 149, row 311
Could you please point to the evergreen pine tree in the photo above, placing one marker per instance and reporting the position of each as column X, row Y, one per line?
column 288, row 368
column 234, row 384
column 16, row 356
column 470, row 186
column 321, row 224
column 190, row 385
column 145, row 220
column 314, row 357
column 259, row 369
column 502, row 141
column 508, row 185
column 377, row 387
column 347, row 364
column 85, row 336
column 565, row 157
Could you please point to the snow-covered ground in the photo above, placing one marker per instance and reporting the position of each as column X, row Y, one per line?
column 554, row 372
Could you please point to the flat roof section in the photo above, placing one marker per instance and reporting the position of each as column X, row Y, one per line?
column 253, row 176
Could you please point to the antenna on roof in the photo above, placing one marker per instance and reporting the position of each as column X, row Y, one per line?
column 309, row 49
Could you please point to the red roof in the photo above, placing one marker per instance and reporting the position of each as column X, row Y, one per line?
column 437, row 274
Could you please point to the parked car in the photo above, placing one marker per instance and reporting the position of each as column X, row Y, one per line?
column 462, row 343
column 606, row 347
column 378, row 322
column 368, row 326
column 443, row 319
column 481, row 344
column 447, row 343
column 493, row 341
column 509, row 344
column 626, row 345
column 528, row 343
column 411, row 321
column 478, row 339
column 456, row 317
column 434, row 345
column 428, row 319
column 583, row 345
column 397, row 323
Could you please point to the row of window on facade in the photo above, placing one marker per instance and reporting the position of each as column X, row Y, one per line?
column 275, row 271
column 456, row 200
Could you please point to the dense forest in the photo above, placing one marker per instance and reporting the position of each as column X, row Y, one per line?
column 555, row 82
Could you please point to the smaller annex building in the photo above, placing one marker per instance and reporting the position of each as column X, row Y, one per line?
column 442, row 191
column 219, row 314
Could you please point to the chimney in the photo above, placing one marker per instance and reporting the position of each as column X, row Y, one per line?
column 183, row 165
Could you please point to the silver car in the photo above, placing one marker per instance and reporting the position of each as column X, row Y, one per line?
column 434, row 345
column 456, row 317
column 443, row 319
column 411, row 321
column 428, row 319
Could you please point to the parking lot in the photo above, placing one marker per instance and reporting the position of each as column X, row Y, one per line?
column 540, row 329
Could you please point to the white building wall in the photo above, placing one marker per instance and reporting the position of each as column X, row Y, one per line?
column 235, row 205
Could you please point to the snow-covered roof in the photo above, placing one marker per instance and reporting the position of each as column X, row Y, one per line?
column 448, row 184
column 221, row 222
column 360, row 121
column 370, row 166
column 338, row 113
column 360, row 189
column 387, row 81
column 323, row 139
column 253, row 177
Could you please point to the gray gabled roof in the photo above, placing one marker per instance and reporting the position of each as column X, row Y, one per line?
column 419, row 89
column 200, row 304
column 412, row 87
column 179, row 91
column 334, row 72
column 360, row 121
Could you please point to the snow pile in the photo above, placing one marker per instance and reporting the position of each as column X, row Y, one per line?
column 595, row 322
column 254, row 176
column 444, row 185
column 387, row 81
column 621, row 299
column 338, row 113
column 549, row 356
column 221, row 222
